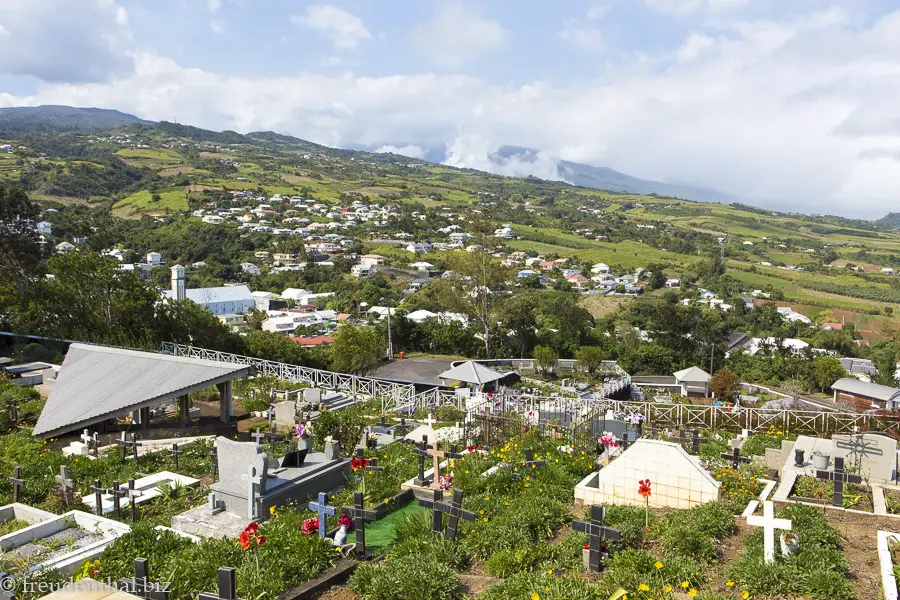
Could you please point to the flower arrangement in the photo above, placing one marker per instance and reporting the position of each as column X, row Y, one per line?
column 608, row 439
column 249, row 537
column 636, row 418
column 357, row 463
column 445, row 482
column 346, row 522
column 310, row 526
column 329, row 439
column 303, row 430
column 644, row 491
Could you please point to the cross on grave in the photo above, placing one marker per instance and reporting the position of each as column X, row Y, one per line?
column 360, row 515
column 175, row 452
column 253, row 480
column 769, row 524
column 430, row 421
column 13, row 405
column 437, row 517
column 597, row 532
column 530, row 462
column 422, row 451
column 859, row 448
column 17, row 483
column 64, row 479
column 694, row 439
column 735, row 457
column 227, row 586
column 117, row 493
column 214, row 458
column 98, row 496
column 455, row 512
column 322, row 509
column 87, row 438
column 258, row 436
column 140, row 584
column 839, row 477
column 124, row 442
column 132, row 494
column 437, row 455
column 273, row 437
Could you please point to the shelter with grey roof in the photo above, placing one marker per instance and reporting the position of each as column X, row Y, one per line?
column 99, row 383
column 472, row 374
column 865, row 395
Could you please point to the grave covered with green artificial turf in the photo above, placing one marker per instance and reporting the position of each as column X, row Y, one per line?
column 380, row 533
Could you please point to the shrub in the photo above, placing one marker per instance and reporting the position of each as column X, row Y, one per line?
column 629, row 520
column 693, row 533
column 546, row 587
column 407, row 577
column 345, row 426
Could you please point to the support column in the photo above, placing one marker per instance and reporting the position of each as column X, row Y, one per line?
column 145, row 417
column 183, row 408
column 226, row 401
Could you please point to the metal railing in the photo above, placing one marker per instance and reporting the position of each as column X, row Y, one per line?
column 395, row 397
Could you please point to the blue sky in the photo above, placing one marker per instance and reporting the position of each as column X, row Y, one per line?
column 786, row 103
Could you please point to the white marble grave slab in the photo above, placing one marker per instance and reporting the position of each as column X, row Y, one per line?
column 148, row 486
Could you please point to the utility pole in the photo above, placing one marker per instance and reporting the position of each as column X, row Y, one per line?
column 390, row 347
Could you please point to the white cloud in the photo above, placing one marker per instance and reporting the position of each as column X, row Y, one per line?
column 586, row 37
column 797, row 114
column 217, row 26
column 345, row 29
column 213, row 5
column 472, row 151
column 457, row 33
column 409, row 150
column 695, row 45
column 687, row 7
column 60, row 40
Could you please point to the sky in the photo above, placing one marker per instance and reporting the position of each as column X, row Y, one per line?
column 789, row 104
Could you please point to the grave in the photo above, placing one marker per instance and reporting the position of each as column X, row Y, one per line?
column 22, row 512
column 62, row 543
column 769, row 524
column 875, row 455
column 250, row 483
column 679, row 481
column 285, row 414
column 147, row 486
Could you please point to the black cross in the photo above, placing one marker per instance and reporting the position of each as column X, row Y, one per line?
column 175, row 452
column 360, row 516
column 273, row 437
column 98, row 496
column 132, row 494
column 214, row 457
column 124, row 442
column 17, row 483
column 530, row 462
column 373, row 465
column 597, row 532
column 422, row 452
column 64, row 479
column 456, row 512
column 117, row 493
column 625, row 441
column 227, row 586
column 735, row 458
column 839, row 477
column 437, row 516
column 694, row 439
column 13, row 404
column 140, row 584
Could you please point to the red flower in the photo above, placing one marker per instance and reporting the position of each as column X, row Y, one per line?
column 249, row 537
column 470, row 448
column 359, row 463
column 587, row 546
column 310, row 526
column 644, row 489
column 345, row 521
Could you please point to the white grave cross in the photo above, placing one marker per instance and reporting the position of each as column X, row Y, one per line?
column 430, row 421
column 769, row 524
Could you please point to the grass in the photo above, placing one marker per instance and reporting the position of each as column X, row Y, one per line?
column 170, row 200
column 380, row 533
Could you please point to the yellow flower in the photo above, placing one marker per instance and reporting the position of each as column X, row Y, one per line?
column 473, row 531
column 547, row 589
column 386, row 500
column 527, row 478
column 487, row 497
column 659, row 565
column 729, row 583
column 485, row 519
column 745, row 594
column 644, row 587
column 549, row 571
column 271, row 510
column 480, row 512
column 692, row 592
column 667, row 589
column 534, row 596
column 685, row 584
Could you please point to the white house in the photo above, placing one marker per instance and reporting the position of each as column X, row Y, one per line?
column 250, row 268
column 261, row 299
column 44, row 228
column 371, row 259
column 154, row 258
column 295, row 294
column 361, row 270
column 673, row 283
column 418, row 247
column 64, row 247
column 219, row 300
column 600, row 268
column 422, row 266
column 213, row 219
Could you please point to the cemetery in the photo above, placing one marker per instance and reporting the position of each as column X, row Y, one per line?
column 546, row 499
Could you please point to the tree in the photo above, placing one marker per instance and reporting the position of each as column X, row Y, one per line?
column 20, row 252
column 478, row 277
column 825, row 371
column 825, row 316
column 724, row 384
column 357, row 350
column 545, row 358
column 590, row 358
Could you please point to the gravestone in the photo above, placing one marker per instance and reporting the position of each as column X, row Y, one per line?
column 140, row 585
column 227, row 586
column 64, row 479
column 312, row 396
column 285, row 414
column 235, row 459
column 874, row 455
column 332, row 450
column 597, row 532
column 839, row 477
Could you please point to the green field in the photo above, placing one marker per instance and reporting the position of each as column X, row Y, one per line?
column 170, row 200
